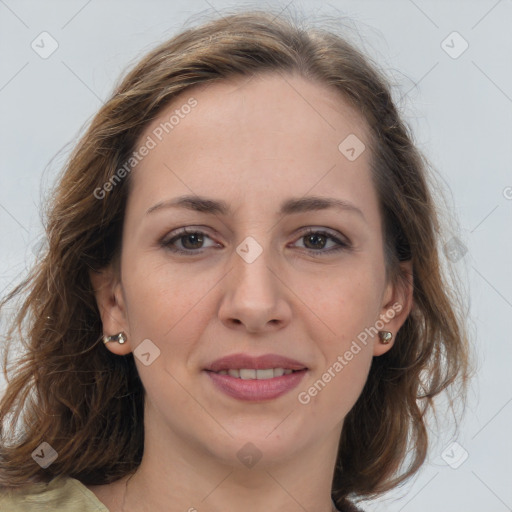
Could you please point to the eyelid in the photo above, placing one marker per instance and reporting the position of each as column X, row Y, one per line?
column 341, row 241
column 325, row 231
column 175, row 235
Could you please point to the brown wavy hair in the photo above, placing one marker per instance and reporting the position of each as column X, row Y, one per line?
column 87, row 403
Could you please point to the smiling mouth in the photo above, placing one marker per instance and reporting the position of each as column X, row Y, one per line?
column 253, row 374
column 256, row 385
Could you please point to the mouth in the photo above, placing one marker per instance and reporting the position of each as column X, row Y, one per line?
column 260, row 378
column 249, row 367
column 257, row 374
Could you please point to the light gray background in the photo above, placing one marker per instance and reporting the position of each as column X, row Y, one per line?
column 459, row 108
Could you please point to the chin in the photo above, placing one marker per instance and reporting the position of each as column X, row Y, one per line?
column 265, row 444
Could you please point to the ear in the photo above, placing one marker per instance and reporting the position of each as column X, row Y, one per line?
column 109, row 297
column 397, row 303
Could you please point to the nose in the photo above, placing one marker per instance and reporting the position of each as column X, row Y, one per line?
column 255, row 296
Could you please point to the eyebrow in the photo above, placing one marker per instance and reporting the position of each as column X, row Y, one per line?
column 288, row 207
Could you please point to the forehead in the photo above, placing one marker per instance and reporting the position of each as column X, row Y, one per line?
column 271, row 102
column 270, row 133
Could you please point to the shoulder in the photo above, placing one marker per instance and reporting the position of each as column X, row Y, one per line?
column 59, row 495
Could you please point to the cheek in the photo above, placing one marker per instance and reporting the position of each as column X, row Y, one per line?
column 346, row 299
column 337, row 385
column 348, row 304
column 160, row 296
column 169, row 307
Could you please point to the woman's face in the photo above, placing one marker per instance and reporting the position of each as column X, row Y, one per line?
column 248, row 280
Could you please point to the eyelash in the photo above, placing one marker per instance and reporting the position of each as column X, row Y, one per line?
column 186, row 231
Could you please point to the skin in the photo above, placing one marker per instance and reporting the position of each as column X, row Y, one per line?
column 252, row 143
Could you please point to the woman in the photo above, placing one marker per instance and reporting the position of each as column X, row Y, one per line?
column 241, row 306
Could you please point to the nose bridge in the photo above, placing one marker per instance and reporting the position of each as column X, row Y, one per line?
column 252, row 260
column 253, row 296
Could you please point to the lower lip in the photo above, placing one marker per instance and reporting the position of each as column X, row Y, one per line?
column 256, row 390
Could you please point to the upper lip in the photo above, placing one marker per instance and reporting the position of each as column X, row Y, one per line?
column 238, row 361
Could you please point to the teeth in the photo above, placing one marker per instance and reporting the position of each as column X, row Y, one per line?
column 248, row 374
column 264, row 374
column 251, row 373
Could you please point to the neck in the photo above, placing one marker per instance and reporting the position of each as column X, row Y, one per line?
column 269, row 495
column 175, row 476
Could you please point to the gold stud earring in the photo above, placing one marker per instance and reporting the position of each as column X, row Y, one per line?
column 385, row 337
column 120, row 337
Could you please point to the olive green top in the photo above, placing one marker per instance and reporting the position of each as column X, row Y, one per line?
column 62, row 494
column 66, row 494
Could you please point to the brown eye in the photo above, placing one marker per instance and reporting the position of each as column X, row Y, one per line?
column 195, row 240
column 315, row 241
column 186, row 241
